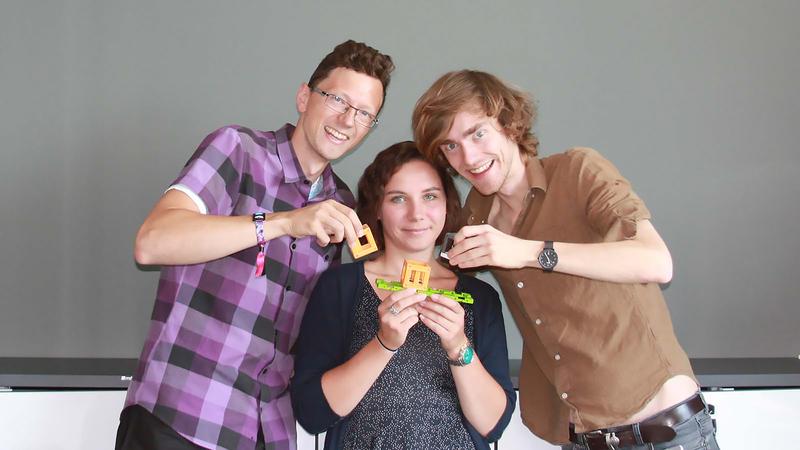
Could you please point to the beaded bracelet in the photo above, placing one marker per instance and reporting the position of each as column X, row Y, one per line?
column 258, row 220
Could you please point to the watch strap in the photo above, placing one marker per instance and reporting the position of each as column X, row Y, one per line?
column 258, row 221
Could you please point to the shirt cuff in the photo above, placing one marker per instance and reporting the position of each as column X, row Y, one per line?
column 195, row 198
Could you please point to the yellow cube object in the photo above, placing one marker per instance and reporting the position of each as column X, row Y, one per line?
column 358, row 250
column 415, row 274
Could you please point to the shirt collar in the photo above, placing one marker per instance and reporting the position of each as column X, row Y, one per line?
column 534, row 172
column 293, row 171
column 480, row 205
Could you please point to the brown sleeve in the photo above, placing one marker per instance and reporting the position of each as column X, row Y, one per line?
column 612, row 207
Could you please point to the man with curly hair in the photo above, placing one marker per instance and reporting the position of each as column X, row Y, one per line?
column 579, row 263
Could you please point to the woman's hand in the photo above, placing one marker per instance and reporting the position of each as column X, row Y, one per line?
column 396, row 315
column 445, row 317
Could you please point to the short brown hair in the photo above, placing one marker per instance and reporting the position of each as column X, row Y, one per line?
column 464, row 89
column 355, row 56
column 373, row 182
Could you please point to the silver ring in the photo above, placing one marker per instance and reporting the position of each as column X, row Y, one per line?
column 393, row 309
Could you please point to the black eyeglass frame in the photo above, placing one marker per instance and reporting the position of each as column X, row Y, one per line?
column 338, row 98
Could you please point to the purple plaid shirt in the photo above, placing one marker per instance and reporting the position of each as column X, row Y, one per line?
column 216, row 360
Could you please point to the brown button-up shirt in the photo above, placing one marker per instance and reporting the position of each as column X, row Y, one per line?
column 593, row 351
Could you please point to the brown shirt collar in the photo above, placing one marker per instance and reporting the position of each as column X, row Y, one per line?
column 534, row 171
column 479, row 205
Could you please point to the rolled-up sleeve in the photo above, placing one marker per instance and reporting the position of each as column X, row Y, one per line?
column 612, row 207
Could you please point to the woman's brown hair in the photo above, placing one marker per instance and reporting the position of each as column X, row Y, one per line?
column 373, row 182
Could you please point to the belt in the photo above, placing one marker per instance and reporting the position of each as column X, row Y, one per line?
column 655, row 429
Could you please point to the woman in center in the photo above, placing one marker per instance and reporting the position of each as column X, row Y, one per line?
column 377, row 369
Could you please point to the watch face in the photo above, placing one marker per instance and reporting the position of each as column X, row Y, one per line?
column 548, row 258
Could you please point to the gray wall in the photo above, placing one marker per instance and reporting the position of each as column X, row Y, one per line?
column 101, row 103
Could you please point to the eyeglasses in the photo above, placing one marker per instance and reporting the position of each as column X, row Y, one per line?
column 340, row 105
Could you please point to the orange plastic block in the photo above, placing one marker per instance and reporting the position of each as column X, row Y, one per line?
column 365, row 245
column 415, row 274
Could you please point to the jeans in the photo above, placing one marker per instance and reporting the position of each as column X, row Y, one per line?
column 696, row 433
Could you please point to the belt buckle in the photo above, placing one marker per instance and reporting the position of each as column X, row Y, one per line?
column 612, row 441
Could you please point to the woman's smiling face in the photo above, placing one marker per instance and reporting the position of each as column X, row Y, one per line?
column 414, row 208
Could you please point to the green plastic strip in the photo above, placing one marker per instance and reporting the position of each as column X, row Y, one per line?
column 397, row 286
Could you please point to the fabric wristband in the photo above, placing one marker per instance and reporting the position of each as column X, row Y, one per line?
column 258, row 220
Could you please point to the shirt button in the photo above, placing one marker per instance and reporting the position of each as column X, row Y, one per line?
column 557, row 356
column 538, row 321
column 520, row 284
column 294, row 246
column 564, row 395
column 288, row 288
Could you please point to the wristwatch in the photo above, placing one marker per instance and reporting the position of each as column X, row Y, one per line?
column 465, row 354
column 548, row 258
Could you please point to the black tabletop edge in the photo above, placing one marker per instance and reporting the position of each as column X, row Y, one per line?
column 115, row 373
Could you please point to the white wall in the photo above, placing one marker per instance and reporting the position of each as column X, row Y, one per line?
column 87, row 420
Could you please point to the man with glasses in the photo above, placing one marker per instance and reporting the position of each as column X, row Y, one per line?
column 341, row 105
column 243, row 234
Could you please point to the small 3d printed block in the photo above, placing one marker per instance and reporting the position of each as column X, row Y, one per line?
column 447, row 245
column 365, row 245
column 415, row 274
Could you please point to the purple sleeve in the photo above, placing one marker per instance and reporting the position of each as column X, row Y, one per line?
column 214, row 171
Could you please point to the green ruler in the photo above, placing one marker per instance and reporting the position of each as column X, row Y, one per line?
column 397, row 286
